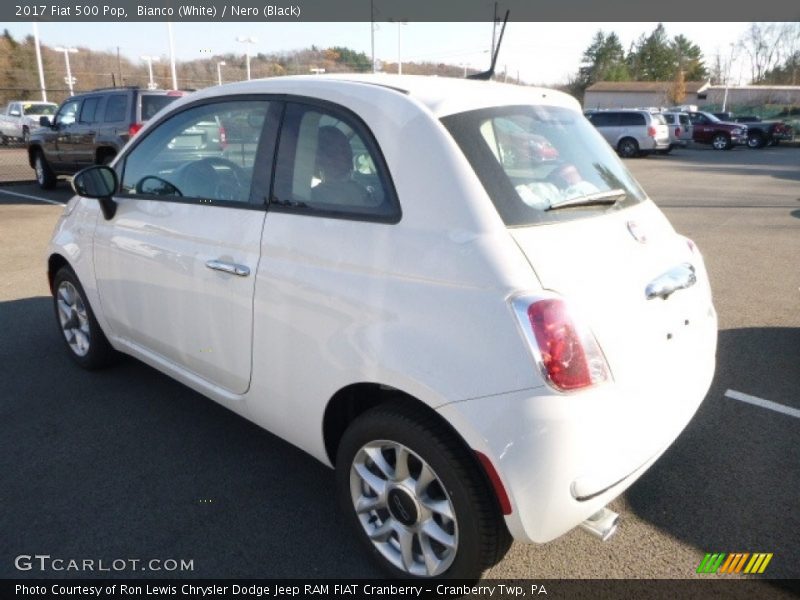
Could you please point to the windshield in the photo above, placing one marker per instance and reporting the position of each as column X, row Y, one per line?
column 711, row 117
column 39, row 109
column 533, row 159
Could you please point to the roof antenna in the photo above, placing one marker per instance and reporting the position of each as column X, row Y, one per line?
column 485, row 75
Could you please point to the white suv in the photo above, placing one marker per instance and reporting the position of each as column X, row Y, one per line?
column 487, row 340
column 632, row 132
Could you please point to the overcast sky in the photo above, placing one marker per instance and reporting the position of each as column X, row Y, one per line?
column 540, row 52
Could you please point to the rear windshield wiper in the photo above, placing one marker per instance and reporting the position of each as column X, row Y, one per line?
column 606, row 197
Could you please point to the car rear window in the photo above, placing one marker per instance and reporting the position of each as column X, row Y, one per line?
column 659, row 119
column 531, row 159
column 152, row 103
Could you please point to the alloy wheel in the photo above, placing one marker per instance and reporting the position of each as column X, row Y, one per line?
column 73, row 318
column 404, row 508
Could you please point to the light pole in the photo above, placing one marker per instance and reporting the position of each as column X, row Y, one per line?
column 150, row 60
column 247, row 40
column 172, row 56
column 39, row 60
column 727, row 79
column 69, row 79
column 399, row 59
column 220, row 64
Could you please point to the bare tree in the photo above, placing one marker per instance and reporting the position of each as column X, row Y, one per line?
column 766, row 45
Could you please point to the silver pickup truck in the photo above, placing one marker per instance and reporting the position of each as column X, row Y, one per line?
column 22, row 116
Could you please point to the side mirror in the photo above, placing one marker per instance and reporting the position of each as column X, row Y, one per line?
column 45, row 122
column 99, row 182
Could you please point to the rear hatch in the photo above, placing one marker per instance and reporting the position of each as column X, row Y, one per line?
column 591, row 235
column 604, row 265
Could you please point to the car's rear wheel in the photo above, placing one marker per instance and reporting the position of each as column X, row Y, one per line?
column 720, row 141
column 417, row 498
column 85, row 341
column 628, row 148
column 26, row 135
column 44, row 174
column 756, row 140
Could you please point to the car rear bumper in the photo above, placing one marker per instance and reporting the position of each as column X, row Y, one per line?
column 562, row 457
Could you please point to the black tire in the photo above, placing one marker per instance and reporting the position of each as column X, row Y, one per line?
column 44, row 174
column 98, row 352
column 481, row 537
column 628, row 148
column 756, row 140
column 721, row 141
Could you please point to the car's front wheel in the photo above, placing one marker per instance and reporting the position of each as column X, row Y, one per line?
column 756, row 140
column 85, row 341
column 417, row 498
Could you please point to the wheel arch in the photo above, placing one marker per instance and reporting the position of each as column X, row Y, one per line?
column 54, row 263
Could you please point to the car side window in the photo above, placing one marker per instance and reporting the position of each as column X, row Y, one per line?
column 631, row 119
column 68, row 113
column 89, row 109
column 328, row 163
column 684, row 119
column 206, row 152
column 116, row 108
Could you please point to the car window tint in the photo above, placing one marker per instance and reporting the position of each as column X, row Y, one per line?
column 89, row 109
column 206, row 152
column 684, row 119
column 152, row 103
column 328, row 163
column 116, row 108
column 68, row 113
column 669, row 119
column 605, row 119
column 631, row 119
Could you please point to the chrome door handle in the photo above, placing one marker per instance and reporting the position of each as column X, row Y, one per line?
column 226, row 267
column 678, row 278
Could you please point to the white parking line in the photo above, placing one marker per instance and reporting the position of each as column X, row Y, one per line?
column 786, row 410
column 29, row 197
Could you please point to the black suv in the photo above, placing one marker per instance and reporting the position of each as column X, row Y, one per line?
column 90, row 128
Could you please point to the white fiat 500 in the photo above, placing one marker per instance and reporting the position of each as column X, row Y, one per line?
column 451, row 291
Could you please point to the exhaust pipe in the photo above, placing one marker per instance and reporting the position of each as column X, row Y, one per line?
column 602, row 524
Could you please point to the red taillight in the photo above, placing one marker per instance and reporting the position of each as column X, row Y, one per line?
column 223, row 138
column 651, row 131
column 677, row 132
column 569, row 354
column 134, row 129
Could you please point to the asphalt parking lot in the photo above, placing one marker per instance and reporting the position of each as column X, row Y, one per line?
column 128, row 463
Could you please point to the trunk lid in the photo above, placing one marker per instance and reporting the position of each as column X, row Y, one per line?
column 601, row 268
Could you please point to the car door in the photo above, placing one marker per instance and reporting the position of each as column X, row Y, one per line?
column 84, row 132
column 59, row 141
column 175, row 267
column 701, row 127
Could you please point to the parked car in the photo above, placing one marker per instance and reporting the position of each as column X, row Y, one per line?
column 483, row 348
column 680, row 128
column 761, row 133
column 722, row 135
column 91, row 128
column 22, row 116
column 632, row 132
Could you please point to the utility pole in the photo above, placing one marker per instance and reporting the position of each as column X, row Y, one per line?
column 69, row 79
column 172, row 56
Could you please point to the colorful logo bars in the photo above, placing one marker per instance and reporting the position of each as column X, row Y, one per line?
column 735, row 563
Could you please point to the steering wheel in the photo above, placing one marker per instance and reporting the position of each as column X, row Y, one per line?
column 199, row 175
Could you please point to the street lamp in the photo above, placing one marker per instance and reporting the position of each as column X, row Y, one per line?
column 399, row 60
column 69, row 79
column 150, row 60
column 247, row 40
column 220, row 64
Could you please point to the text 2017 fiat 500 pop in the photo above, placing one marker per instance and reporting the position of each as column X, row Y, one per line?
column 487, row 340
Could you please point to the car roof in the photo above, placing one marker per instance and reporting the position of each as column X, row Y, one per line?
column 441, row 95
